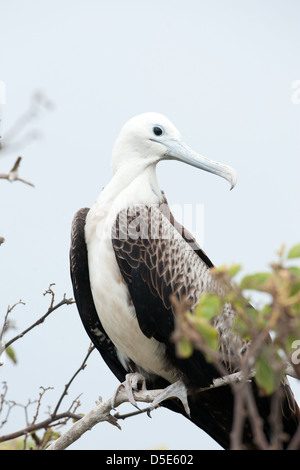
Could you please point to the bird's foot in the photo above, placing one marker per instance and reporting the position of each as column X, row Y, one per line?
column 175, row 390
column 133, row 382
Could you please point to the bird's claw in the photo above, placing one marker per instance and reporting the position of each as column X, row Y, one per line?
column 175, row 390
column 133, row 382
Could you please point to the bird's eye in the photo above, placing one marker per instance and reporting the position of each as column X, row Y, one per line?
column 157, row 130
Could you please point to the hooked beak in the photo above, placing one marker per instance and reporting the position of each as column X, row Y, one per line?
column 178, row 150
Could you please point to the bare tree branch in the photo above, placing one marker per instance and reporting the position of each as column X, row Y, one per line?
column 99, row 414
column 295, row 442
column 54, row 418
column 41, row 425
column 5, row 323
column 13, row 174
column 67, row 386
column 103, row 409
column 17, row 137
column 52, row 308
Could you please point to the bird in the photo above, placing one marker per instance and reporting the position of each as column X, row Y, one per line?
column 129, row 258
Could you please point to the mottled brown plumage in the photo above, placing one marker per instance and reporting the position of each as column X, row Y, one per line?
column 150, row 240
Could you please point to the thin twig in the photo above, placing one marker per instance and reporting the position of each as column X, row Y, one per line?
column 67, row 386
column 5, row 323
column 42, row 393
column 13, row 174
column 295, row 442
column 255, row 419
column 41, row 425
column 15, row 137
column 239, row 416
column 54, row 418
column 39, row 321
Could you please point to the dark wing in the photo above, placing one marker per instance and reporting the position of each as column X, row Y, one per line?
column 156, row 262
column 83, row 296
column 186, row 235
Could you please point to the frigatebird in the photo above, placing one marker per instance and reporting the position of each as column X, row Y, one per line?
column 129, row 257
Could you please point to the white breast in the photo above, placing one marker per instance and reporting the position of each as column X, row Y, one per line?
column 112, row 298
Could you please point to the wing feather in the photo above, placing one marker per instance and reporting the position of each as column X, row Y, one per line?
column 154, row 268
column 83, row 296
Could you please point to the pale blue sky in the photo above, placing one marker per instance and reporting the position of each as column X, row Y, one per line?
column 222, row 71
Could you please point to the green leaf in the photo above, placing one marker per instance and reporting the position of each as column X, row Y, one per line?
column 263, row 315
column 294, row 270
column 295, row 309
column 184, row 348
column 265, row 376
column 234, row 269
column 208, row 333
column 292, row 345
column 255, row 281
column 209, row 306
column 294, row 252
column 295, row 288
column 241, row 328
column 11, row 354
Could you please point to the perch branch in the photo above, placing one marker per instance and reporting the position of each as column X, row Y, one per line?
column 97, row 415
column 103, row 409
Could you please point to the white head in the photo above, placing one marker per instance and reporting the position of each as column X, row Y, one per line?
column 150, row 137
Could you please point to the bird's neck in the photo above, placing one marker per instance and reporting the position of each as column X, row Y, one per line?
column 126, row 189
column 132, row 184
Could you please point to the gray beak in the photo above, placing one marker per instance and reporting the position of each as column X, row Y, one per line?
column 178, row 150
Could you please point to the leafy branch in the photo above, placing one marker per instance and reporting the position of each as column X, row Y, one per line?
column 270, row 334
